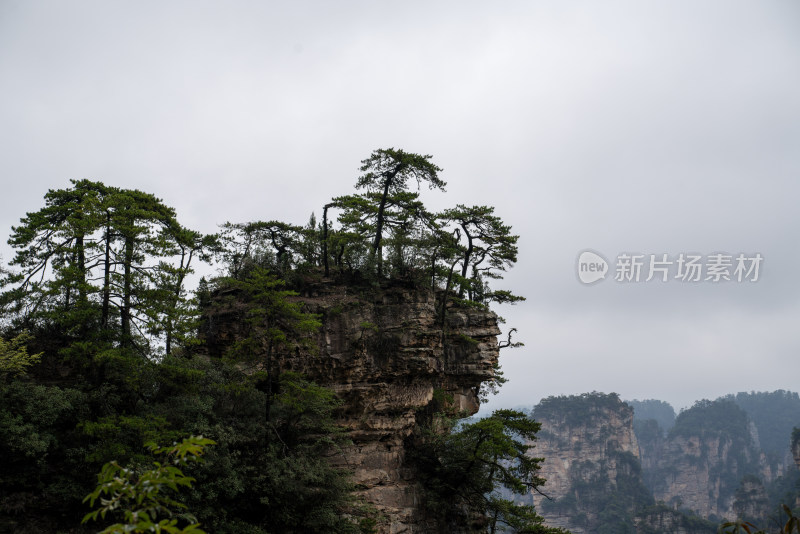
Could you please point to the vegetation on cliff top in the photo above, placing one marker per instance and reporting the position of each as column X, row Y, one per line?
column 576, row 410
column 99, row 350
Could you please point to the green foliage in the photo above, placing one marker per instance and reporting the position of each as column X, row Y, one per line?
column 485, row 246
column 121, row 436
column 403, row 231
column 785, row 488
column 387, row 216
column 99, row 280
column 43, row 472
column 390, row 169
column 660, row 514
column 721, row 417
column 270, row 245
column 575, row 410
column 103, row 264
column 492, row 385
column 464, row 470
column 32, row 418
column 366, row 325
column 386, row 173
column 265, row 474
column 275, row 322
column 142, row 498
column 14, row 357
column 268, row 474
column 792, row 524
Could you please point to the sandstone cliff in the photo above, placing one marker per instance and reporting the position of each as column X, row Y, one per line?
column 796, row 457
column 702, row 473
column 796, row 447
column 386, row 354
column 710, row 463
column 662, row 519
column 591, row 462
column 593, row 467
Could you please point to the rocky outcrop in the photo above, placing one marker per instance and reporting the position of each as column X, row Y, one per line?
column 651, row 446
column 796, row 447
column 591, row 459
column 386, row 354
column 750, row 500
column 710, row 463
column 662, row 520
column 604, row 470
column 701, row 473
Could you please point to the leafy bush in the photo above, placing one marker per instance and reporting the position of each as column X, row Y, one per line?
column 142, row 497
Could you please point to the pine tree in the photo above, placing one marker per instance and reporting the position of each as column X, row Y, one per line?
column 465, row 471
column 487, row 247
column 103, row 263
column 385, row 178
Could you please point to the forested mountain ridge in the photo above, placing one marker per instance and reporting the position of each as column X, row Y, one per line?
column 707, row 457
column 591, row 463
column 708, row 467
column 326, row 366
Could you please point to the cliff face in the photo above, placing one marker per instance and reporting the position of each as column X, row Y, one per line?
column 702, row 473
column 591, row 453
column 604, row 472
column 661, row 520
column 710, row 463
column 386, row 355
column 796, row 450
column 796, row 457
column 593, row 466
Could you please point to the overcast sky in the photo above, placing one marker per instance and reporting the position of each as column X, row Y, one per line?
column 640, row 127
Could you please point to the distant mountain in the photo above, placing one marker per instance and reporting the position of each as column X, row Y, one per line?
column 662, row 412
column 774, row 414
column 594, row 471
column 637, row 467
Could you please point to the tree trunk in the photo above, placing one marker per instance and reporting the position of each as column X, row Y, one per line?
column 433, row 271
column 269, row 382
column 381, row 209
column 376, row 245
column 68, row 290
column 126, row 292
column 176, row 297
column 81, row 269
column 106, row 275
column 447, row 287
column 325, row 239
column 465, row 267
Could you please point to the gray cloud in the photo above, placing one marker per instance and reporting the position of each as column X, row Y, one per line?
column 626, row 126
